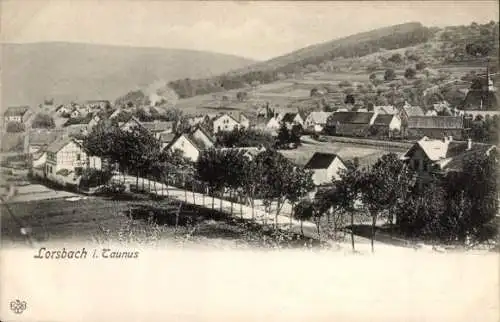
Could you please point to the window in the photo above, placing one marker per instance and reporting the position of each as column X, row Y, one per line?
column 78, row 157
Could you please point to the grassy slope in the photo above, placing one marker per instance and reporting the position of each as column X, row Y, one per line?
column 321, row 49
column 71, row 71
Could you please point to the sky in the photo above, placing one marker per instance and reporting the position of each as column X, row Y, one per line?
column 258, row 30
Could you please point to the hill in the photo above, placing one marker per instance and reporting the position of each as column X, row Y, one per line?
column 286, row 66
column 394, row 47
column 75, row 71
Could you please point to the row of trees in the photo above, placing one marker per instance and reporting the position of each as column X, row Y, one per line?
column 268, row 176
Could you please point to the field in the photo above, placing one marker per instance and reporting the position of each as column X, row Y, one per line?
column 367, row 155
column 134, row 220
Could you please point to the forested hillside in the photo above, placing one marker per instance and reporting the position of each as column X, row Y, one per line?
column 370, row 51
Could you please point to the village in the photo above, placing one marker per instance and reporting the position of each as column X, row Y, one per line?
column 301, row 166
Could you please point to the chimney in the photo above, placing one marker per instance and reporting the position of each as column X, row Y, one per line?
column 469, row 144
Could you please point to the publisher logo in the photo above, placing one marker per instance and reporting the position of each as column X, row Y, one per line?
column 18, row 306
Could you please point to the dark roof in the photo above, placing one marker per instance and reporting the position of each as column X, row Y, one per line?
column 43, row 137
column 383, row 119
column 223, row 114
column 320, row 160
column 167, row 137
column 57, row 145
column 457, row 163
column 435, row 122
column 288, row 117
column 474, row 97
column 352, row 117
column 16, row 110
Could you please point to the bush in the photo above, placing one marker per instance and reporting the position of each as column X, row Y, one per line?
column 93, row 177
column 420, row 65
column 389, row 74
column 44, row 121
column 410, row 73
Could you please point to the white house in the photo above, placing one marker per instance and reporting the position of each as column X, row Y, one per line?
column 67, row 153
column 316, row 120
column 225, row 123
column 326, row 167
column 388, row 122
column 76, row 113
column 63, row 109
column 191, row 144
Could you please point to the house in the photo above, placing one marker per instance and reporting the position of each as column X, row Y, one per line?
column 96, row 104
column 317, row 120
column 132, row 123
column 273, row 123
column 387, row 124
column 326, row 167
column 408, row 111
column 191, row 144
column 157, row 128
column 63, row 109
column 18, row 114
column 76, row 130
column 40, row 139
column 351, row 123
column 431, row 155
column 66, row 153
column 290, row 119
column 225, row 123
column 435, row 127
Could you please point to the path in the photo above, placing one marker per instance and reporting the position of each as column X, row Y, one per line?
column 239, row 210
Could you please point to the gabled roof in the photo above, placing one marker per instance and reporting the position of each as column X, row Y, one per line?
column 60, row 143
column 43, row 137
column 413, row 110
column 450, row 152
column 352, row 117
column 225, row 114
column 16, row 110
column 435, row 122
column 384, row 119
column 167, row 137
column 320, row 160
column 198, row 144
